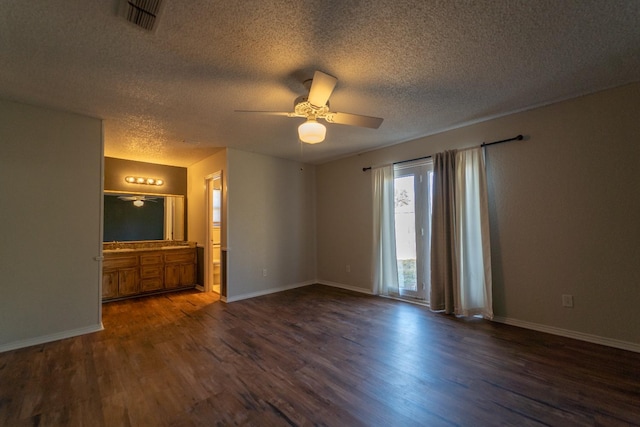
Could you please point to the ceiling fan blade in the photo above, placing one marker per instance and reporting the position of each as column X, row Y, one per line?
column 354, row 120
column 321, row 88
column 271, row 113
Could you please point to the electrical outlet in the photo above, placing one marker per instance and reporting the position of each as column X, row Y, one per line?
column 348, row 268
column 567, row 301
column 264, row 272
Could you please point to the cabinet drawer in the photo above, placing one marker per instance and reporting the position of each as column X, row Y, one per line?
column 148, row 259
column 151, row 271
column 180, row 257
column 119, row 262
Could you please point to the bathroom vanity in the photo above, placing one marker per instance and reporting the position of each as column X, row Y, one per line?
column 131, row 269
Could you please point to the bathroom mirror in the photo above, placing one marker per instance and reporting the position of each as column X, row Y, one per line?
column 134, row 217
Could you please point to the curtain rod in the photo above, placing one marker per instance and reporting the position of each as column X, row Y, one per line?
column 484, row 144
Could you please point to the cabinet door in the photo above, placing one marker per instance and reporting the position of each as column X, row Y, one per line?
column 128, row 283
column 151, row 284
column 187, row 274
column 110, row 284
column 171, row 275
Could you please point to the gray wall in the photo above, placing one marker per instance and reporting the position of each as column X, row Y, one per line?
column 50, row 223
column 268, row 220
column 564, row 209
column 271, row 224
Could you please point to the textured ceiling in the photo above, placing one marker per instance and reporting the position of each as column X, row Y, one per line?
column 169, row 96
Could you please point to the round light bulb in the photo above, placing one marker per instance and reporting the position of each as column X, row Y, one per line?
column 312, row 132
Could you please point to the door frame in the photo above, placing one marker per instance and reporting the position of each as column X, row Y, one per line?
column 208, row 255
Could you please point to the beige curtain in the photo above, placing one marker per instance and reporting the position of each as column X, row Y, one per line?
column 473, row 249
column 460, row 247
column 385, row 267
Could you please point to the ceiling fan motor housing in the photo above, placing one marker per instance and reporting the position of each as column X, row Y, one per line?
column 303, row 108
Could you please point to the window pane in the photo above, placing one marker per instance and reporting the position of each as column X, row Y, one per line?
column 217, row 206
column 405, row 225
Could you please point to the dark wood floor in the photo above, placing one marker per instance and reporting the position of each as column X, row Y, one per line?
column 313, row 356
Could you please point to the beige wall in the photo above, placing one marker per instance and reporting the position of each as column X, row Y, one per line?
column 196, row 196
column 50, row 223
column 564, row 209
column 271, row 211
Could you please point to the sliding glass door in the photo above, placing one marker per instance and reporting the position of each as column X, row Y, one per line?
column 412, row 188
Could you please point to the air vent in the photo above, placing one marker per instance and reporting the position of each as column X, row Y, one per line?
column 143, row 13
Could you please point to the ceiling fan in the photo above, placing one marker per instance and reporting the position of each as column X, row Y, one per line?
column 138, row 201
column 316, row 106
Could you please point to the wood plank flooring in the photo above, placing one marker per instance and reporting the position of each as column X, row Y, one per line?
column 313, row 356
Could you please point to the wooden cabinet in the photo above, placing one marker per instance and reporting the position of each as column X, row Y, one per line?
column 180, row 268
column 132, row 273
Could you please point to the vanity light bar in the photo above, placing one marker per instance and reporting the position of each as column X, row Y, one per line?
column 142, row 180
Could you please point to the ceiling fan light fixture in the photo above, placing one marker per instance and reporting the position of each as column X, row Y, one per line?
column 312, row 132
column 138, row 203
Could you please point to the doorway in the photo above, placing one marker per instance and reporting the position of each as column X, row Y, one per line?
column 213, row 250
column 413, row 184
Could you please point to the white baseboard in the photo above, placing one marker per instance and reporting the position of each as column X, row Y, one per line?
column 596, row 339
column 51, row 337
column 343, row 286
column 267, row 291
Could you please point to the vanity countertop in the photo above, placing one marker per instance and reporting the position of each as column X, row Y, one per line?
column 139, row 246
